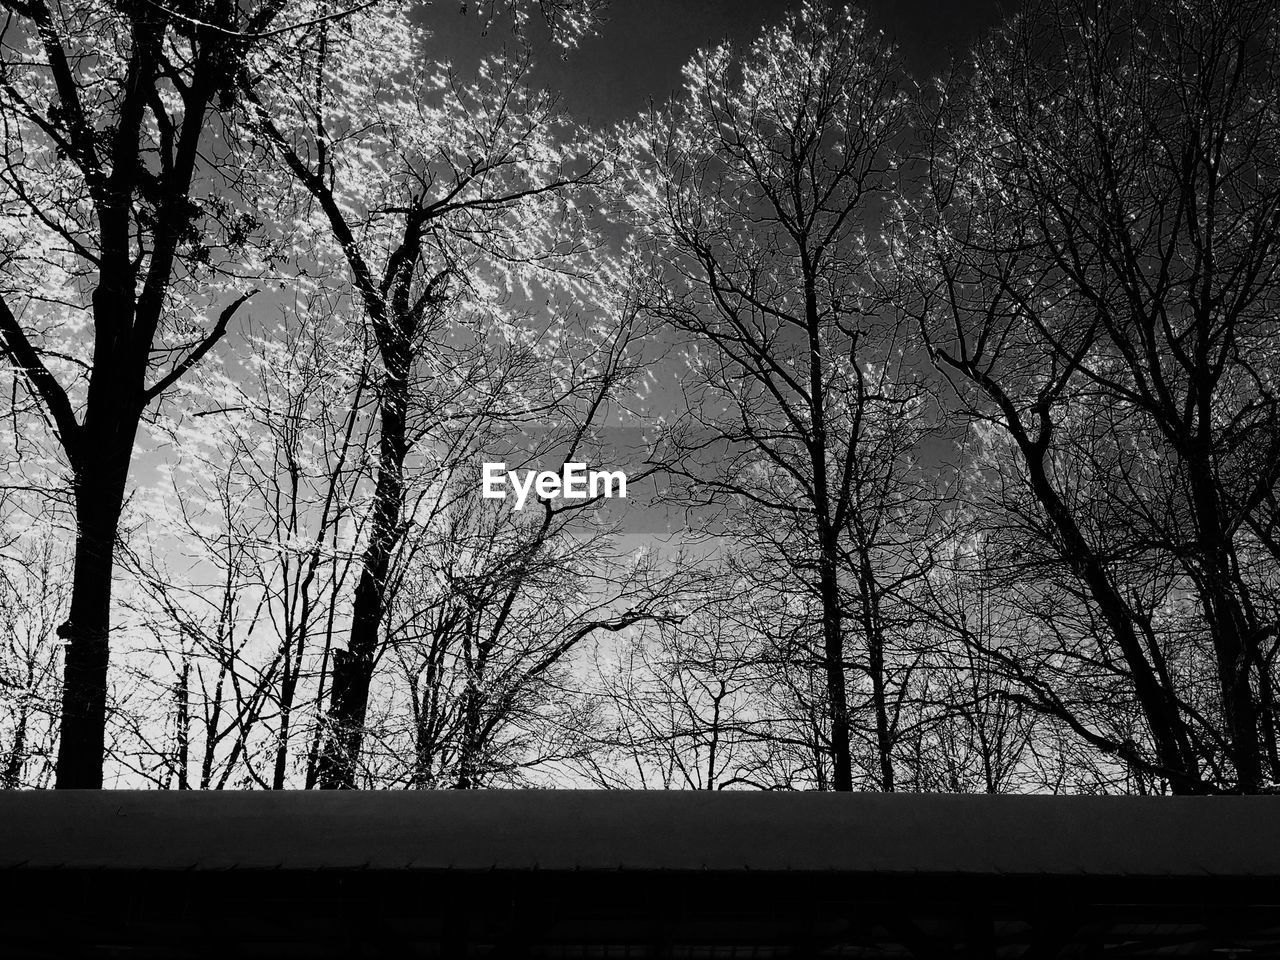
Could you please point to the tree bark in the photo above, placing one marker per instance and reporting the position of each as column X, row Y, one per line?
column 828, row 536
column 833, row 660
column 101, row 470
column 1229, row 630
column 353, row 667
column 12, row 777
column 874, row 630
column 182, row 696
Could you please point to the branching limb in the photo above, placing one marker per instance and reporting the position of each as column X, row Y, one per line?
column 15, row 345
column 194, row 357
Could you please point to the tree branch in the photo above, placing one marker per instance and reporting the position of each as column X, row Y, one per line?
column 205, row 345
column 15, row 345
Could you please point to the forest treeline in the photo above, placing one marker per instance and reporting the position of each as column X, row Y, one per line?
column 958, row 397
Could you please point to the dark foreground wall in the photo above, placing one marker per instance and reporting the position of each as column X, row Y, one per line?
column 595, row 874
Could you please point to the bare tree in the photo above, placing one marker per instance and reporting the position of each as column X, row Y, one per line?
column 263, row 502
column 1096, row 270
column 32, row 594
column 419, row 177
column 119, row 177
column 767, row 178
column 489, row 605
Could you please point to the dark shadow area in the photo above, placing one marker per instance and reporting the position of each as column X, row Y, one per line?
column 574, row 874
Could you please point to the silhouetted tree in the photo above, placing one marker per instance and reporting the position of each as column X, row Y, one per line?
column 119, row 179
column 1097, row 267
column 767, row 177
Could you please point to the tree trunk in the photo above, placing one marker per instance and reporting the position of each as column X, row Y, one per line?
column 288, row 687
column 884, row 737
column 353, row 667
column 833, row 657
column 1227, row 625
column 427, row 729
column 12, row 777
column 828, row 539
column 873, row 628
column 470, row 746
column 182, row 697
column 1159, row 705
column 101, row 476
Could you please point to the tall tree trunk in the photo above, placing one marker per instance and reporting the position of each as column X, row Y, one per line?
column 871, row 623
column 294, row 650
column 353, row 667
column 469, row 750
column 884, row 738
column 288, row 687
column 1266, row 718
column 1159, row 705
column 317, row 736
column 101, row 468
column 470, row 746
column 828, row 539
column 427, row 729
column 833, row 659
column 11, row 779
column 1227, row 624
column 182, row 698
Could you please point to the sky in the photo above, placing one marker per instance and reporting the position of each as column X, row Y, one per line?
column 637, row 53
